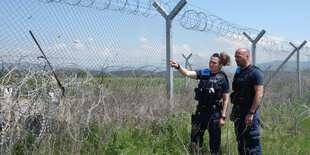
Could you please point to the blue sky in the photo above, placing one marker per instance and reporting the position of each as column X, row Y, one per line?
column 285, row 18
column 104, row 37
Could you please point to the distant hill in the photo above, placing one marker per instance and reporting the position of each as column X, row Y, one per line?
column 153, row 71
column 289, row 66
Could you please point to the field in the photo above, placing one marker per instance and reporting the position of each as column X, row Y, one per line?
column 88, row 76
column 132, row 116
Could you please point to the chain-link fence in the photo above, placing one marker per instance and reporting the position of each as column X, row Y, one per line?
column 104, row 61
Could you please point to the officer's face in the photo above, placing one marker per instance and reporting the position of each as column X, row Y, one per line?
column 240, row 58
column 214, row 64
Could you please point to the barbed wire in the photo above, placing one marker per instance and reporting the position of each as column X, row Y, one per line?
column 32, row 104
column 190, row 17
column 141, row 7
column 201, row 20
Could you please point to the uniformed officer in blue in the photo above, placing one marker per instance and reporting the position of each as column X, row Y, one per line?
column 210, row 112
column 247, row 86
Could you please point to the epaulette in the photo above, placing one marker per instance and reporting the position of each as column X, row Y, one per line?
column 205, row 72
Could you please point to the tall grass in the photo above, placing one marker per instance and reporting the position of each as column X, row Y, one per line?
column 169, row 137
column 134, row 117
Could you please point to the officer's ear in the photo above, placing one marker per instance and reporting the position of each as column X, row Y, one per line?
column 247, row 56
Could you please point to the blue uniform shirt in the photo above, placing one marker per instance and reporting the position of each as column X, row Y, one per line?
column 256, row 76
column 223, row 84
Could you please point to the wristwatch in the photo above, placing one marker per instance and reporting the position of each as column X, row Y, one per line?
column 178, row 67
column 251, row 112
column 223, row 117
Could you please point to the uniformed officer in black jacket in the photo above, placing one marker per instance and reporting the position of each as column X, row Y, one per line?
column 210, row 112
column 247, row 86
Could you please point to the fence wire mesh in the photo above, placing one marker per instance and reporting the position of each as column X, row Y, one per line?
column 109, row 55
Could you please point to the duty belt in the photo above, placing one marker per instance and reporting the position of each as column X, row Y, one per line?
column 207, row 108
column 239, row 107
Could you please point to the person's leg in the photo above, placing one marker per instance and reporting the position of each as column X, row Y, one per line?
column 214, row 134
column 252, row 144
column 240, row 131
column 196, row 133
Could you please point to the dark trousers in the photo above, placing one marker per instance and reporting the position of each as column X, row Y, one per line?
column 201, row 121
column 248, row 137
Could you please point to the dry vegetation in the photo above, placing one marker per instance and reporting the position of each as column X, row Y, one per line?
column 122, row 115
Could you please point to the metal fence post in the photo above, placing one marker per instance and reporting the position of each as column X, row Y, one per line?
column 169, row 18
column 260, row 35
column 298, row 70
column 284, row 62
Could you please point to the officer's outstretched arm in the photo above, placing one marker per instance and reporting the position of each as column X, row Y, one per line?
column 184, row 71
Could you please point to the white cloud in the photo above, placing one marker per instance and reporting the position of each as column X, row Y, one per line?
column 276, row 38
column 205, row 53
column 232, row 44
column 145, row 44
column 79, row 45
column 143, row 39
column 186, row 47
column 147, row 47
column 181, row 49
column 57, row 50
column 103, row 52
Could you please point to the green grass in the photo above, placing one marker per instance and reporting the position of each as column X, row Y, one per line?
column 169, row 137
column 153, row 139
column 171, row 134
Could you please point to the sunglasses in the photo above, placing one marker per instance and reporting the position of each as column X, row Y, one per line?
column 218, row 56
